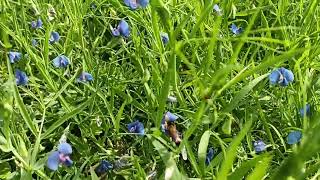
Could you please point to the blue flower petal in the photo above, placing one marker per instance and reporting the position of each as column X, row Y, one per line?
column 115, row 32
column 124, row 28
column 294, row 137
column 68, row 162
column 170, row 117
column 34, row 24
column 210, row 155
column 136, row 127
column 60, row 61
column 306, row 111
column 274, row 77
column 14, row 56
column 65, row 148
column 143, row 3
column 131, row 3
column 217, row 9
column 164, row 38
column 21, row 77
column 288, row 75
column 259, row 146
column 85, row 77
column 53, row 161
column 235, row 29
column 103, row 167
column 39, row 23
column 54, row 37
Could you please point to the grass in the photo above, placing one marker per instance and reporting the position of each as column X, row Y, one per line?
column 220, row 80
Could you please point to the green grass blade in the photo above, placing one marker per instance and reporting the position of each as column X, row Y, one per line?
column 232, row 152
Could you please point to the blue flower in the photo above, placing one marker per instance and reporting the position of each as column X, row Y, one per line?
column 259, row 146
column 123, row 29
column 134, row 4
column 61, row 156
column 164, row 38
column 136, row 127
column 36, row 24
column 103, row 167
column 168, row 117
column 14, row 56
column 54, row 37
column 281, row 76
column 210, row 155
column 235, row 30
column 21, row 78
column 294, row 137
column 85, row 77
column 60, row 61
column 306, row 112
column 34, row 42
column 217, row 9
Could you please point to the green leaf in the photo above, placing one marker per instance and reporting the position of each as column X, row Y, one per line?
column 226, row 127
column 232, row 152
column 93, row 174
column 172, row 171
column 64, row 118
column 242, row 93
column 261, row 169
column 245, row 167
column 202, row 150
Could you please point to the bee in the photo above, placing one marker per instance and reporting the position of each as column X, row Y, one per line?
column 173, row 132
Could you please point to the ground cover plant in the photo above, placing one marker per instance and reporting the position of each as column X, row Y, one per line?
column 159, row 89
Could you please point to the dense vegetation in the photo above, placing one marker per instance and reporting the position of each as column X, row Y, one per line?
column 161, row 90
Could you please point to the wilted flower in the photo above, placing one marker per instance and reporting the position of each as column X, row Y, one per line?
column 120, row 163
column 61, row 156
column 34, row 42
column 36, row 24
column 172, row 99
column 169, row 127
column 60, row 61
column 136, row 127
column 51, row 13
column 123, row 29
column 259, row 146
column 210, row 155
column 134, row 4
column 168, row 117
column 294, row 137
column 235, row 30
column 21, row 77
column 217, row 9
column 103, row 167
column 164, row 38
column 306, row 111
column 85, row 77
column 54, row 37
column 281, row 76
column 14, row 56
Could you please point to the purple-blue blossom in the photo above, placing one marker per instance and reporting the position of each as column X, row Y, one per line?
column 122, row 29
column 294, row 137
column 281, row 76
column 61, row 156
column 14, row 56
column 134, row 4
column 136, row 127
column 164, row 38
column 60, row 61
column 85, row 77
column 210, row 155
column 306, row 111
column 103, row 167
column 21, row 78
column 236, row 30
column 54, row 37
column 36, row 24
column 259, row 146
